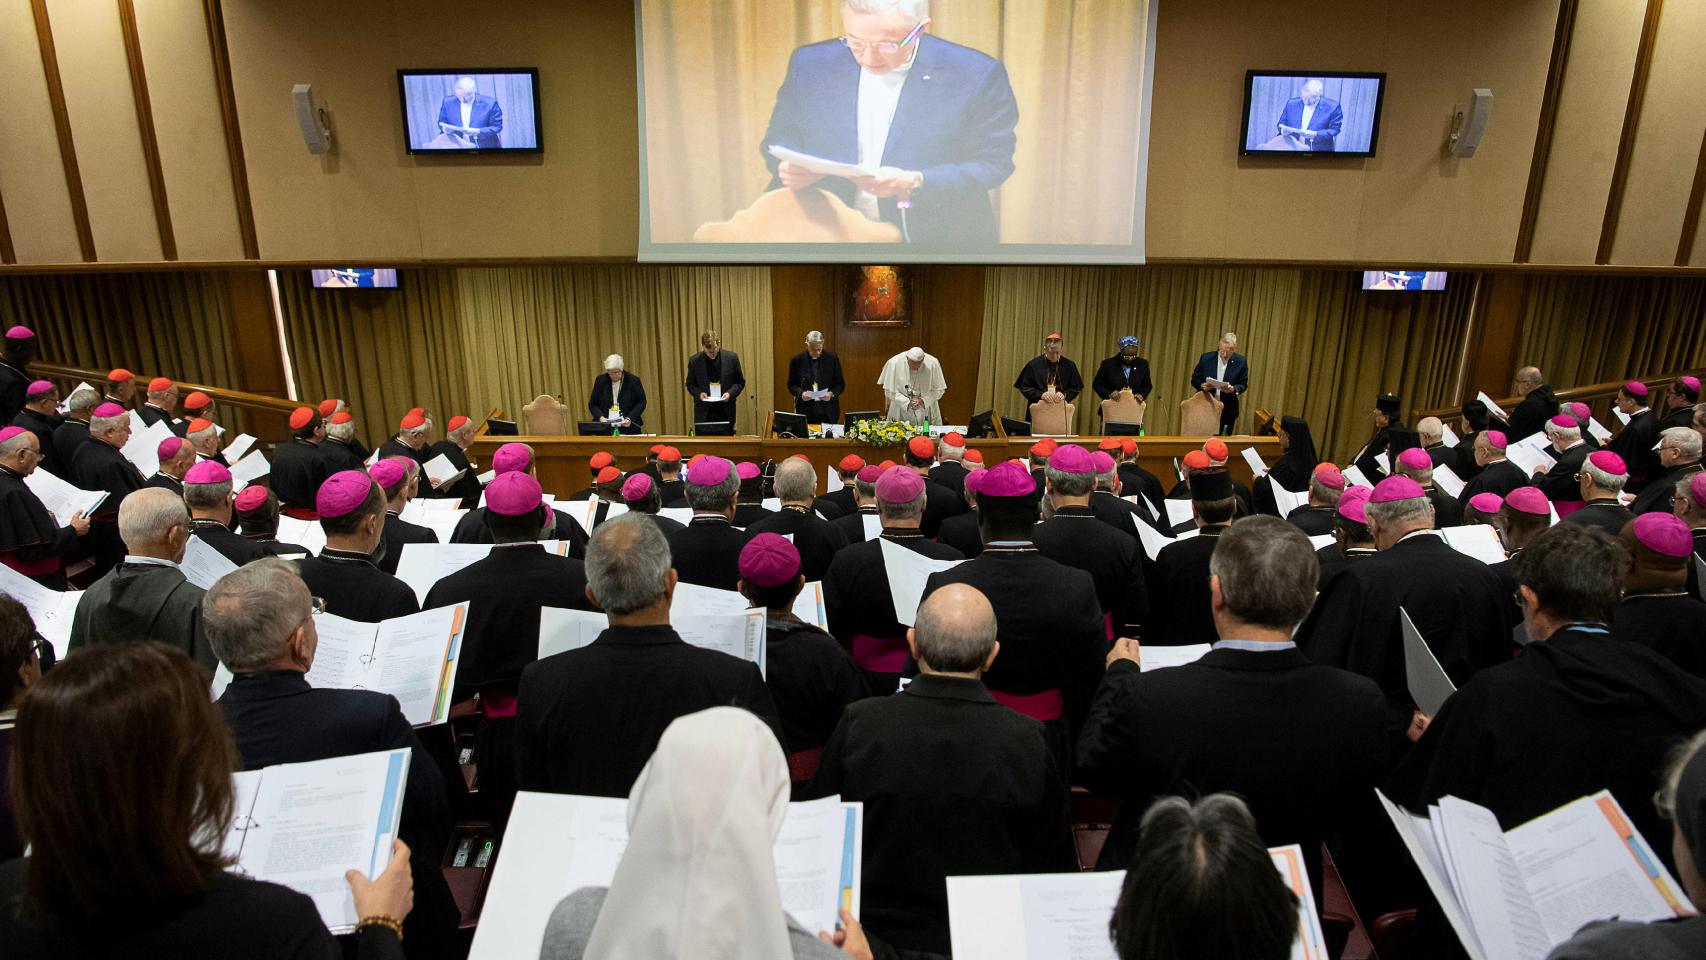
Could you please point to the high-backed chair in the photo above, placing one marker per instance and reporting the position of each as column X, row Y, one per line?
column 545, row 417
column 1055, row 418
column 1123, row 407
column 1199, row 415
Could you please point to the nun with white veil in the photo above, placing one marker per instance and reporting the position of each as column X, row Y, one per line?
column 698, row 879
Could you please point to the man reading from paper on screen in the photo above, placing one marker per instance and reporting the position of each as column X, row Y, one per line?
column 1311, row 118
column 931, row 119
column 472, row 116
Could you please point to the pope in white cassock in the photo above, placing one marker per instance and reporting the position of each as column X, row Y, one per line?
column 913, row 383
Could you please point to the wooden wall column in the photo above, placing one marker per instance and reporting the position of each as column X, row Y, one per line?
column 1493, row 350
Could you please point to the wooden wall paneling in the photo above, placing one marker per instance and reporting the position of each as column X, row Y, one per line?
column 145, row 124
column 1548, row 126
column 1493, row 348
column 62, row 128
column 7, row 254
column 1691, row 213
column 215, row 16
column 950, row 299
column 1631, row 125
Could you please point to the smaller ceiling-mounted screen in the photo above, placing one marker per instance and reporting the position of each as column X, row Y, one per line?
column 351, row 277
column 1403, row 280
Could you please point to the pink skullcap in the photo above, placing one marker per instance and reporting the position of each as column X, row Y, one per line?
column 1007, row 479
column 1329, row 476
column 870, row 473
column 512, row 457
column 1697, row 489
column 1635, row 388
column 1609, row 462
column 1566, row 421
column 1528, row 500
column 342, row 494
column 513, row 494
column 1100, row 462
column 974, row 480
column 1352, row 503
column 10, row 432
column 1692, row 383
column 387, row 472
column 38, row 387
column 208, row 471
column 747, row 470
column 1488, row 503
column 1495, row 439
column 1071, row 459
column 769, row 560
column 637, row 487
column 252, row 498
column 709, row 471
column 169, row 448
column 20, row 333
column 1415, row 458
column 899, row 485
column 1580, row 410
column 1664, row 533
column 1393, row 489
column 921, row 447
column 106, row 410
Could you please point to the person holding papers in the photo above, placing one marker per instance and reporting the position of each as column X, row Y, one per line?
column 1386, row 419
column 509, row 458
column 131, row 739
column 618, row 398
column 397, row 479
column 458, row 437
column 256, row 512
column 1602, row 478
column 261, row 622
column 815, row 381
column 338, row 449
column 1679, row 459
column 941, row 501
column 1537, row 406
column 1125, row 370
column 1108, row 501
column 588, row 719
column 1223, row 373
column 996, row 808
column 207, row 494
column 73, row 431
column 146, row 598
column 1073, row 537
column 203, row 436
column 1657, row 610
column 857, row 598
column 1497, row 475
column 100, row 466
column 161, row 403
column 714, row 380
column 1179, row 611
column 351, row 508
column 816, row 538
column 698, row 876
column 298, row 467
column 1315, row 518
column 708, row 551
column 1469, row 429
column 1416, row 465
column 41, row 417
column 32, row 541
column 1634, row 443
column 1302, row 742
column 863, row 487
column 1559, row 481
column 1297, row 464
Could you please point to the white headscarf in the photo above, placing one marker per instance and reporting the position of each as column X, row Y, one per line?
column 698, row 878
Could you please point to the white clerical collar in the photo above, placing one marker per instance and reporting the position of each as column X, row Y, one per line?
column 900, row 71
column 1417, row 533
column 150, row 561
column 1254, row 646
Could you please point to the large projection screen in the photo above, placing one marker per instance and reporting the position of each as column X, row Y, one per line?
column 860, row 131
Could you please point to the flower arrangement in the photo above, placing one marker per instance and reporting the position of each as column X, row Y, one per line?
column 884, row 433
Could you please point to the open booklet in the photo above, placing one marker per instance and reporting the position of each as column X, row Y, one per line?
column 440, row 472
column 302, row 825
column 51, row 609
column 1514, row 895
column 1478, row 540
column 412, row 658
column 703, row 616
column 62, row 499
column 907, row 571
column 1064, row 916
column 307, row 534
column 558, row 843
column 423, row 564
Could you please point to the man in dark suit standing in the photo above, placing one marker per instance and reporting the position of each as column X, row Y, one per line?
column 812, row 373
column 1311, row 118
column 469, row 115
column 933, row 120
column 715, row 380
column 620, row 395
column 1230, row 370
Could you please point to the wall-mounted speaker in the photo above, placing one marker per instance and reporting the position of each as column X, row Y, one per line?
column 1468, row 126
column 316, row 135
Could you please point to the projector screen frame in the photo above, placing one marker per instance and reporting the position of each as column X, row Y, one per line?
column 1250, row 76
column 403, row 111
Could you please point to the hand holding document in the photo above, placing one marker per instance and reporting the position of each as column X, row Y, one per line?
column 235, row 450
column 51, row 609
column 820, row 166
column 907, row 572
column 557, row 843
column 1155, row 657
column 1492, row 407
column 1478, row 540
column 62, row 499
column 249, row 469
column 441, row 472
column 1254, row 459
column 1355, row 477
column 1527, row 458
column 302, row 825
column 1429, row 686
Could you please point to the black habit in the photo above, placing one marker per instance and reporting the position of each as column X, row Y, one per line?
column 506, row 590
column 472, row 528
column 1114, row 374
column 339, row 456
column 43, row 427
column 1609, row 515
column 1668, row 621
column 67, row 437
column 233, row 547
column 1657, row 496
column 465, row 488
column 857, row 601
column 1039, row 374
column 355, row 588
column 139, row 602
column 962, row 533
column 1313, row 521
column 99, row 466
column 298, row 469
column 1500, row 477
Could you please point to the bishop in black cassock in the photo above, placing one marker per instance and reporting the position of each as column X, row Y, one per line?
column 1658, row 611
column 1049, row 372
column 32, row 541
column 100, row 466
column 718, row 367
column 298, row 467
column 352, row 512
column 814, row 370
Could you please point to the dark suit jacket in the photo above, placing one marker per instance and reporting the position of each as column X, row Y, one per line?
column 1111, row 376
column 1326, row 121
column 708, row 552
column 702, row 371
column 588, row 720
column 140, row 602
column 506, row 590
column 829, row 378
column 631, row 397
column 485, row 116
column 1237, row 374
column 954, row 123
column 398, row 532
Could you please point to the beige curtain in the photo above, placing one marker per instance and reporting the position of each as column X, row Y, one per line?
column 712, row 70
column 1581, row 330
column 1319, row 347
column 154, row 324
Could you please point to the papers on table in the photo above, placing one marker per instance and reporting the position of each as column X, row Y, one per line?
column 235, row 450
column 907, row 572
column 1254, row 459
column 423, row 564
column 820, row 165
column 249, row 469
column 558, row 843
column 1355, row 477
column 808, row 606
column 440, row 472
column 143, row 447
column 1428, row 684
column 1160, row 658
column 303, row 824
column 1179, row 511
column 1520, row 893
column 1492, row 407
column 303, row 533
column 62, row 499
column 202, row 564
column 1478, row 540
column 51, row 609
column 1448, row 436
column 1064, row 916
column 413, row 658
column 1448, row 481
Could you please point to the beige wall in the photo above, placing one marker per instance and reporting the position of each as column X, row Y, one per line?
column 370, row 201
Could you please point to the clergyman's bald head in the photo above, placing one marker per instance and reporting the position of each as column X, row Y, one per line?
column 955, row 630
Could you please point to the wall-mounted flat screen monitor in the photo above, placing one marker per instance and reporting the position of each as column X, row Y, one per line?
column 1314, row 114
column 1403, row 280
column 485, row 110
column 342, row 277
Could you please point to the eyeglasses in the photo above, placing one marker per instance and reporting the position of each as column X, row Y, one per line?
column 887, row 48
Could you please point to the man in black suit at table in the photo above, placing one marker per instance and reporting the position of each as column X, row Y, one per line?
column 1225, row 366
column 815, row 380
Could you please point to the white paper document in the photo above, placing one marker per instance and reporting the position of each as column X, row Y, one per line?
column 304, row 533
column 65, row 404
column 1179, row 511
column 808, row 606
column 51, row 609
column 1519, row 893
column 1478, row 540
column 1492, row 408
column 440, row 472
column 62, row 499
column 562, row 629
column 1598, row 430
column 1287, row 501
column 1622, row 417
column 423, row 564
column 1254, row 459
column 1321, row 540
column 1154, row 657
column 1429, row 686
column 239, row 446
column 873, row 525
column 249, row 469
column 202, row 564
column 831, row 479
column 820, row 165
column 1447, row 480
column 1151, row 539
column 907, row 572
column 1527, row 458
column 143, row 447
column 1355, row 477
column 681, row 515
column 1448, row 436
column 558, row 843
column 303, row 825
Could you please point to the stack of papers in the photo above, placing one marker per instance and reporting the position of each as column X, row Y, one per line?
column 62, row 499
column 821, row 166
